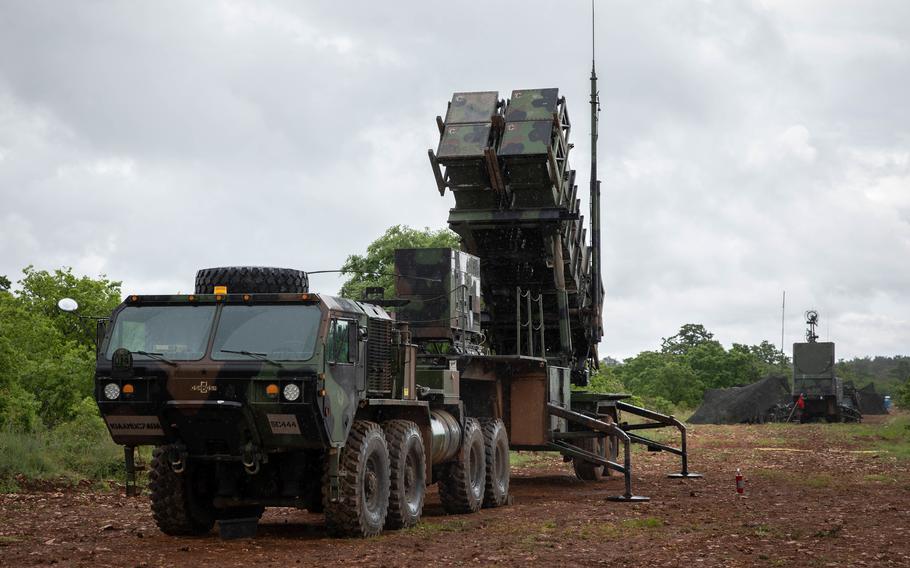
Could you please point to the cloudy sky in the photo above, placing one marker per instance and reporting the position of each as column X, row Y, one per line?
column 746, row 147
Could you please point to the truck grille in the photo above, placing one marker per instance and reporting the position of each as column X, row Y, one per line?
column 379, row 360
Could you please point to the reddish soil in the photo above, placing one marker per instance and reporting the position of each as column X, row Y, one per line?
column 833, row 503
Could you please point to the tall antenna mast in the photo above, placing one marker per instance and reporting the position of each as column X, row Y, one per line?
column 596, row 299
column 783, row 308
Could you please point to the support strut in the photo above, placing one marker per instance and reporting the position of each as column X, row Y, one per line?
column 129, row 462
column 662, row 420
column 599, row 426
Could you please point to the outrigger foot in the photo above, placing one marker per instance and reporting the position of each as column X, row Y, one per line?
column 628, row 498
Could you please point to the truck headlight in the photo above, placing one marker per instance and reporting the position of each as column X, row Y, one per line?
column 291, row 392
column 111, row 391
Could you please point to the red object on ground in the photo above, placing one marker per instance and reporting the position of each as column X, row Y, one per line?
column 740, row 485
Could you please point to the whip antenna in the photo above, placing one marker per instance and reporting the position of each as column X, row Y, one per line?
column 596, row 284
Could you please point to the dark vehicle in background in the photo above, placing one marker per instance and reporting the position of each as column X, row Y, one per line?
column 818, row 393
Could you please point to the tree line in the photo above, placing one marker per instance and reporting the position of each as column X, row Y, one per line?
column 47, row 356
column 686, row 365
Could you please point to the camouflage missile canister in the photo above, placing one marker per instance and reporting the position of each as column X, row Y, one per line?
column 467, row 135
column 516, row 207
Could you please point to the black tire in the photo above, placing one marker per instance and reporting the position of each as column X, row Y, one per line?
column 252, row 280
column 180, row 504
column 461, row 482
column 496, row 454
column 585, row 470
column 408, row 485
column 364, row 484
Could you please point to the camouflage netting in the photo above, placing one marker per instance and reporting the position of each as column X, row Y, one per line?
column 870, row 402
column 737, row 405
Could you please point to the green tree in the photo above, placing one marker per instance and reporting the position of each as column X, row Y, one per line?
column 689, row 335
column 902, row 395
column 4, row 283
column 45, row 370
column 657, row 375
column 377, row 266
column 41, row 290
column 47, row 356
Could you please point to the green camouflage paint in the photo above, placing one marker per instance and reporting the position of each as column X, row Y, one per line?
column 527, row 138
column 532, row 104
column 472, row 107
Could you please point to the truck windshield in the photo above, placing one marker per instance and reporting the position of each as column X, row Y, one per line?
column 175, row 332
column 281, row 333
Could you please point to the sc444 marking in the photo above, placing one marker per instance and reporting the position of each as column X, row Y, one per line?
column 283, row 424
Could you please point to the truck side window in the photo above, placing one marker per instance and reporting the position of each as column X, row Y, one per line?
column 339, row 342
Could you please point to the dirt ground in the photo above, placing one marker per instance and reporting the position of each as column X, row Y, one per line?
column 813, row 497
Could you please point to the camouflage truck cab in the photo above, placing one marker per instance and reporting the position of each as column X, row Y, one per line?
column 274, row 399
column 275, row 367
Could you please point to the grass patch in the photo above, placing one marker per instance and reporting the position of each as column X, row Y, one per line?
column 817, row 481
column 548, row 525
column 78, row 450
column 643, row 523
column 531, row 459
column 892, row 437
column 616, row 530
column 429, row 527
column 879, row 478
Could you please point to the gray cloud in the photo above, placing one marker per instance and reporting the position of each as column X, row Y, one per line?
column 747, row 147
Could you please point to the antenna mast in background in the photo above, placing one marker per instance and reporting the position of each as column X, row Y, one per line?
column 783, row 308
column 596, row 282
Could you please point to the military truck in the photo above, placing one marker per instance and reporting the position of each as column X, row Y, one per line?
column 818, row 393
column 257, row 392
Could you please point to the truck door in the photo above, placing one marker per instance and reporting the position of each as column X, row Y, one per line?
column 343, row 357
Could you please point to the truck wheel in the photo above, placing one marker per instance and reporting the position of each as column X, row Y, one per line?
column 364, row 484
column 496, row 453
column 461, row 483
column 180, row 503
column 585, row 470
column 251, row 280
column 409, row 473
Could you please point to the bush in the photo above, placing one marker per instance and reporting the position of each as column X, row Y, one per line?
column 80, row 449
column 902, row 396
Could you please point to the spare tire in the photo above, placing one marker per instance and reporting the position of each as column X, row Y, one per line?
column 252, row 280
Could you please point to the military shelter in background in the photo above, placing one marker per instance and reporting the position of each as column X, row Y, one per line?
column 817, row 390
column 870, row 401
column 749, row 404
